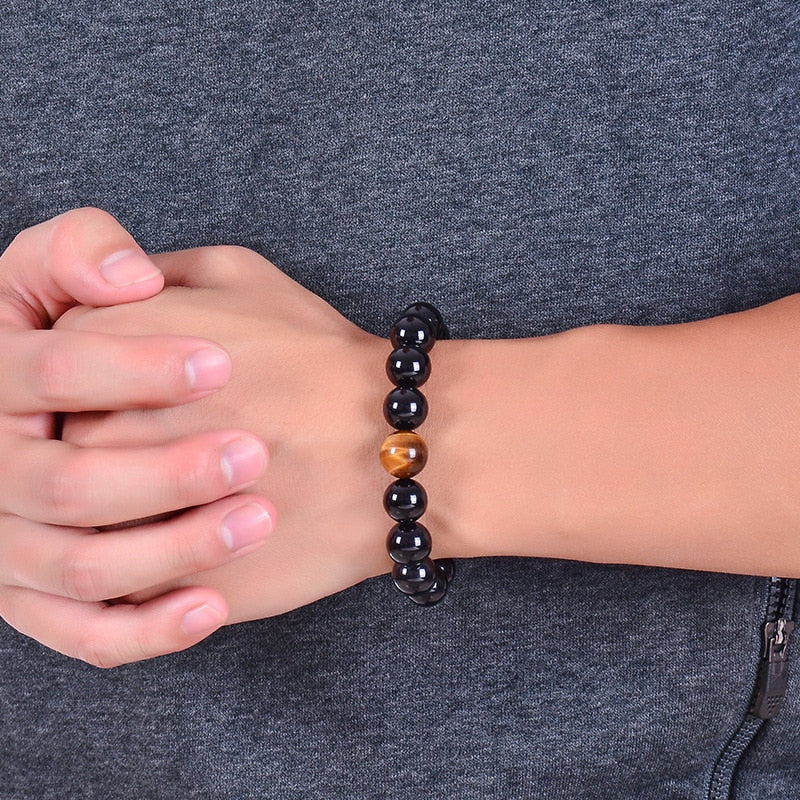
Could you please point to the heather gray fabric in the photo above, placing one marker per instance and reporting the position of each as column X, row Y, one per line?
column 528, row 167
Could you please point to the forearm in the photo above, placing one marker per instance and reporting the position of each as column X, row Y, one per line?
column 675, row 446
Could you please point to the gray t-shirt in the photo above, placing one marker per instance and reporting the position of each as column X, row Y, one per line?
column 528, row 167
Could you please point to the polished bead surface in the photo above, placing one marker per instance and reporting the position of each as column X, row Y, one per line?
column 431, row 315
column 411, row 331
column 418, row 576
column 448, row 565
column 434, row 594
column 405, row 499
column 404, row 454
column 408, row 541
column 405, row 408
column 408, row 366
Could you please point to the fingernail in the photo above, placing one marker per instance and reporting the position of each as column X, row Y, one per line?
column 243, row 461
column 246, row 526
column 202, row 619
column 208, row 369
column 128, row 267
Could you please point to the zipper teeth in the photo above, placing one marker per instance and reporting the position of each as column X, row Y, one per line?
column 721, row 781
column 781, row 599
column 780, row 605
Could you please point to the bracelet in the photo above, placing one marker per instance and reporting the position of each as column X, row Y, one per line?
column 404, row 454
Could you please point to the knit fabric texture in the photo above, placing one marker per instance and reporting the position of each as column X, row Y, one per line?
column 528, row 166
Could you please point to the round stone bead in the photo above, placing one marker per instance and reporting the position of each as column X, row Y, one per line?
column 408, row 541
column 408, row 366
column 431, row 315
column 405, row 500
column 434, row 594
column 405, row 408
column 404, row 454
column 418, row 576
column 411, row 331
column 448, row 565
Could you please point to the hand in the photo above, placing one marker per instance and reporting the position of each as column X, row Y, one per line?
column 305, row 380
column 55, row 571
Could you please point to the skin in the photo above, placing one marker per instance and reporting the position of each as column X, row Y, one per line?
column 673, row 446
column 52, row 585
column 303, row 382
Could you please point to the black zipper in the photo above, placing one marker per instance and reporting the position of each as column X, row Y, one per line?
column 770, row 685
column 773, row 668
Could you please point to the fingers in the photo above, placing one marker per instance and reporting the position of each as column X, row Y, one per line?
column 109, row 635
column 85, row 256
column 78, row 371
column 61, row 484
column 90, row 566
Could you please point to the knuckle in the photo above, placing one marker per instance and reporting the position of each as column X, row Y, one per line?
column 69, row 229
column 229, row 263
column 73, row 231
column 96, row 649
column 72, row 226
column 63, row 490
column 87, row 216
column 189, row 552
column 192, row 479
column 81, row 576
column 62, row 233
column 54, row 371
column 23, row 240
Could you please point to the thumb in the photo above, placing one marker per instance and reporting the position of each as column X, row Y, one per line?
column 83, row 256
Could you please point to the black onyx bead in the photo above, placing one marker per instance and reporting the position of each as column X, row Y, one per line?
column 431, row 315
column 418, row 576
column 449, row 567
column 408, row 541
column 433, row 595
column 405, row 408
column 411, row 331
column 405, row 500
column 408, row 366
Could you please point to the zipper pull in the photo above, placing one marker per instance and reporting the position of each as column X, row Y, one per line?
column 773, row 669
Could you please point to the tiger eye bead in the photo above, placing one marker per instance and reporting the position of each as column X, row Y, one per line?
column 405, row 409
column 404, row 454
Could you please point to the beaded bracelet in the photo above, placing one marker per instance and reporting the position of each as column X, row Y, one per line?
column 404, row 454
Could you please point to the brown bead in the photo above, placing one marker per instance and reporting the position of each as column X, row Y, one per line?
column 403, row 454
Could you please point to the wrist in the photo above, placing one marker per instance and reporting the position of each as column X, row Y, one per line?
column 665, row 445
column 486, row 491
column 508, row 434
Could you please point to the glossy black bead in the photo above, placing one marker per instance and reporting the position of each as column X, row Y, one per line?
column 405, row 408
column 408, row 541
column 408, row 366
column 436, row 592
column 418, row 576
column 405, row 500
column 432, row 596
column 449, row 567
column 411, row 331
column 431, row 315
